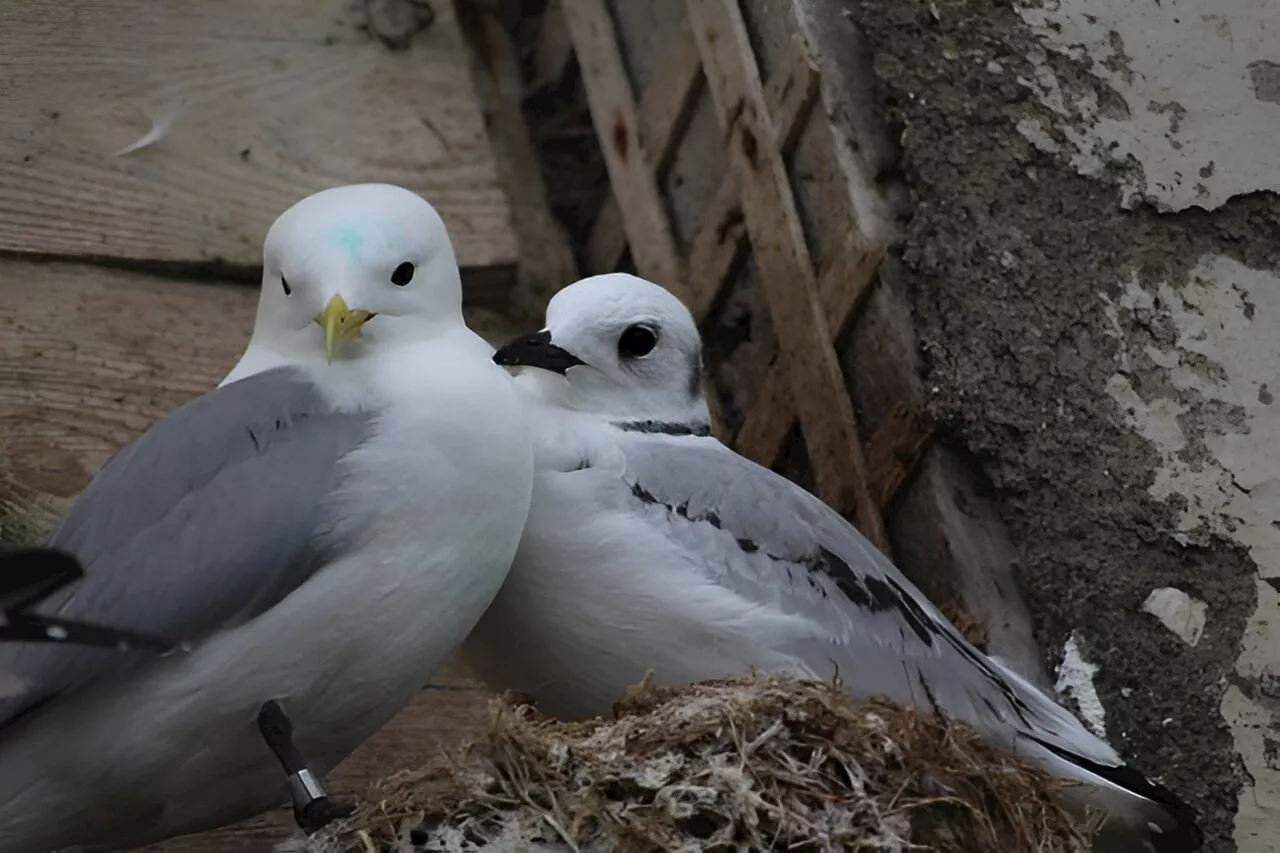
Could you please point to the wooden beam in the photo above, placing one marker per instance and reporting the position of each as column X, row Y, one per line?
column 260, row 104
column 607, row 242
column 547, row 260
column 554, row 50
column 895, row 452
column 627, row 158
column 664, row 112
column 841, row 289
column 721, row 229
column 782, row 256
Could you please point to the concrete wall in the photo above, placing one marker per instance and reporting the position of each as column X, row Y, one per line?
column 1094, row 266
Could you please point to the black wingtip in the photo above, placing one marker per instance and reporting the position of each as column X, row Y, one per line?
column 1183, row 836
column 30, row 575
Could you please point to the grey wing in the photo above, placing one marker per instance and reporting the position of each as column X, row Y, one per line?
column 206, row 520
column 771, row 542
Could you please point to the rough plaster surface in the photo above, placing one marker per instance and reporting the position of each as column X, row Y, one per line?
column 1107, row 367
column 1179, row 612
column 1218, row 368
column 1193, row 99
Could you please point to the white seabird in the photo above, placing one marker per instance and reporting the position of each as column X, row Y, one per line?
column 652, row 546
column 324, row 532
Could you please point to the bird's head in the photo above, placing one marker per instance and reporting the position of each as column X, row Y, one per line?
column 617, row 346
column 352, row 264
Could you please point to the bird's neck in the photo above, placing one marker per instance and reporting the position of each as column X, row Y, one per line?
column 645, row 413
column 394, row 343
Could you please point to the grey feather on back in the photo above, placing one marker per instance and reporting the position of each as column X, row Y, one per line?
column 771, row 542
column 208, row 519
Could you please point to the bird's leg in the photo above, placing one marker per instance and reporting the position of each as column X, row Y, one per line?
column 312, row 807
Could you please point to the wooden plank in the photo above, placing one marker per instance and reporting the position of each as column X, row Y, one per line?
column 778, row 244
column 626, row 154
column 90, row 357
column 664, row 106
column 437, row 720
column 895, row 452
column 547, row 261
column 268, row 101
column 664, row 110
column 607, row 242
column 721, row 230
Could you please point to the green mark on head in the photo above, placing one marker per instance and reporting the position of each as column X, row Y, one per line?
column 351, row 240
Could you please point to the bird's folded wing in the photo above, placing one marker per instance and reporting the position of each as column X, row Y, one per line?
column 771, row 542
column 209, row 518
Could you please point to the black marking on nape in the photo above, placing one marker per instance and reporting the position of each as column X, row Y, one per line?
column 695, row 376
column 664, row 427
column 1185, row 835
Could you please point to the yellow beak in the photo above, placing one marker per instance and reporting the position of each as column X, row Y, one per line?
column 340, row 325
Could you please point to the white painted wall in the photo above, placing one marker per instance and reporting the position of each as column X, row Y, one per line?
column 1200, row 123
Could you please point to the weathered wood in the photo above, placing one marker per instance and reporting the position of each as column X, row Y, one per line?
column 664, row 107
column 267, row 102
column 607, row 242
column 627, row 153
column 91, row 357
column 779, row 247
column 895, row 453
column 722, row 230
column 547, row 261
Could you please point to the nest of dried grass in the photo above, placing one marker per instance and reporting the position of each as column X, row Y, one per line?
column 749, row 764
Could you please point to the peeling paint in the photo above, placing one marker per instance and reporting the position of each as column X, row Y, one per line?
column 1075, row 680
column 1196, row 144
column 1223, row 354
column 1179, row 612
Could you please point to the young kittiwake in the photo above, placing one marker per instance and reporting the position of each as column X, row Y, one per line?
column 323, row 532
column 652, row 546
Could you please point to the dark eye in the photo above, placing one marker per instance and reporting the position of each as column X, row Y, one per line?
column 637, row 342
column 402, row 274
column 285, row 284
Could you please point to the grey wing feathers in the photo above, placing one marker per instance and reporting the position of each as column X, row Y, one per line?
column 882, row 634
column 206, row 520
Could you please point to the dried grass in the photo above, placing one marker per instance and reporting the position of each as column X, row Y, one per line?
column 749, row 764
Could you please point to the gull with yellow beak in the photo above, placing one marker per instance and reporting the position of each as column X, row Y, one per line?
column 321, row 531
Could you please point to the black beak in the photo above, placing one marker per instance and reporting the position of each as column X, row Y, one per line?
column 536, row 350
